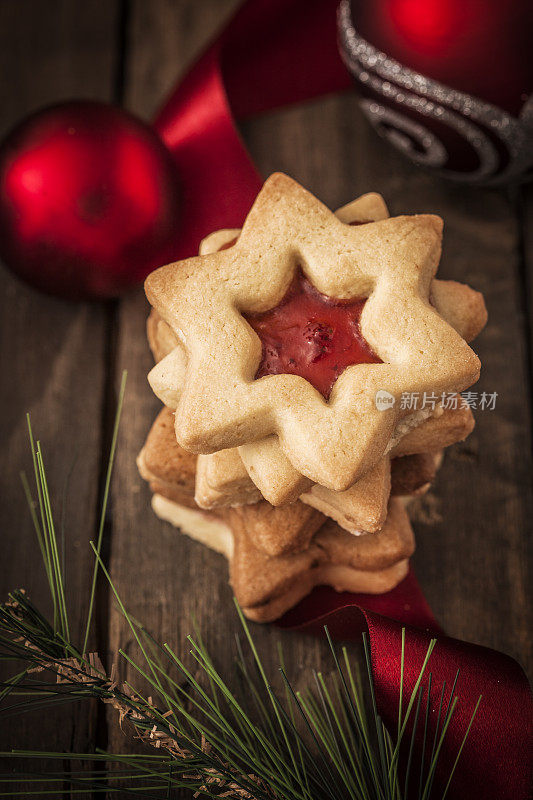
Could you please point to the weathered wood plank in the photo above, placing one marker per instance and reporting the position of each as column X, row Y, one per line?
column 51, row 352
column 163, row 577
column 525, row 209
column 470, row 558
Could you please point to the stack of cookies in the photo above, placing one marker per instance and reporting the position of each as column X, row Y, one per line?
column 310, row 366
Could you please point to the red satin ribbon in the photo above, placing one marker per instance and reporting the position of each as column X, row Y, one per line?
column 497, row 758
column 275, row 52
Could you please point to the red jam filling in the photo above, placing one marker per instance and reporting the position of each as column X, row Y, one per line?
column 311, row 335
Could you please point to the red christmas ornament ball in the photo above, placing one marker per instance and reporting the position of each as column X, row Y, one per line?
column 89, row 200
column 447, row 82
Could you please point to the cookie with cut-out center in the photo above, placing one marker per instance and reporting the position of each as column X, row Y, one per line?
column 222, row 479
column 423, row 240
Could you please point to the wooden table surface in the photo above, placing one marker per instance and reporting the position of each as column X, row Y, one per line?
column 62, row 362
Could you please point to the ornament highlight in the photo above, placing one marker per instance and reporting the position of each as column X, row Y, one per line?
column 447, row 83
column 89, row 200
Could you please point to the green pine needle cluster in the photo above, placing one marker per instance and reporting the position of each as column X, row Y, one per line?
column 234, row 736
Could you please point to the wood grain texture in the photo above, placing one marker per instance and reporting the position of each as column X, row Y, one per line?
column 473, row 530
column 175, row 579
column 525, row 210
column 471, row 557
column 51, row 352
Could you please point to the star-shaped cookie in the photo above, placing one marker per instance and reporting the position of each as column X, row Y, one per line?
column 222, row 478
column 390, row 263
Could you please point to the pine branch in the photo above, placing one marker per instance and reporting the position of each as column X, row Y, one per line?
column 27, row 635
column 204, row 735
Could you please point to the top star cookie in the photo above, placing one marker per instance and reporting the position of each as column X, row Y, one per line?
column 294, row 328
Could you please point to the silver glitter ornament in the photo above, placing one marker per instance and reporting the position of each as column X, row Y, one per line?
column 426, row 119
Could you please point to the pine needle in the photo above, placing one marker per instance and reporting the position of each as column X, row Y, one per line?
column 109, row 472
column 215, row 736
